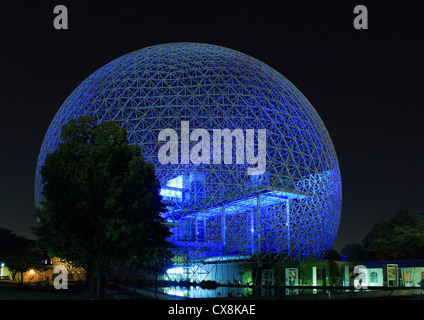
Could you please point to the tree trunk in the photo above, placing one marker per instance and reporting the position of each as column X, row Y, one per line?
column 91, row 277
column 99, row 274
column 99, row 286
column 21, row 279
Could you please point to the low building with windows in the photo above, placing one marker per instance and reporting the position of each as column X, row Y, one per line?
column 389, row 273
column 394, row 273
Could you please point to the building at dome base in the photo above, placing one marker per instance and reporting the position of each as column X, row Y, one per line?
column 246, row 166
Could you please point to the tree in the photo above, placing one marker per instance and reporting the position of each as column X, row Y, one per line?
column 401, row 237
column 378, row 244
column 153, row 258
column 7, row 238
column 332, row 255
column 354, row 251
column 409, row 241
column 21, row 255
column 101, row 200
column 155, row 262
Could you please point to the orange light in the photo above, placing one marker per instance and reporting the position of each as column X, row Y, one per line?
column 31, row 271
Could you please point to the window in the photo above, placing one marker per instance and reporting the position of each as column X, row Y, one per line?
column 173, row 189
column 374, row 277
column 407, row 277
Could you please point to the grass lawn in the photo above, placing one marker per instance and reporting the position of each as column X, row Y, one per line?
column 12, row 291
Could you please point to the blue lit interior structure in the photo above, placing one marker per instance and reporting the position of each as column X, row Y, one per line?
column 218, row 212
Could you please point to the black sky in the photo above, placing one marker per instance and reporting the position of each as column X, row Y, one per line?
column 366, row 85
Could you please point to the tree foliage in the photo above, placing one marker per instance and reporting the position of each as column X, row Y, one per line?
column 401, row 237
column 20, row 255
column 101, row 202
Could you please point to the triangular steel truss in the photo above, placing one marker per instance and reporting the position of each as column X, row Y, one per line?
column 292, row 213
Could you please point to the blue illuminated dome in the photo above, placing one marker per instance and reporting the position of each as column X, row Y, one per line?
column 217, row 210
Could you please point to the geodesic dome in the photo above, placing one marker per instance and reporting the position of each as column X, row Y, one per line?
column 217, row 210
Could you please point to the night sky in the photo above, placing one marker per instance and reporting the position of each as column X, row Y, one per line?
column 366, row 85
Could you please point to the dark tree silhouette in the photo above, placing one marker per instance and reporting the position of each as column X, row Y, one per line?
column 101, row 202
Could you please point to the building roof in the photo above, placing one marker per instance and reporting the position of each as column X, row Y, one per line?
column 400, row 263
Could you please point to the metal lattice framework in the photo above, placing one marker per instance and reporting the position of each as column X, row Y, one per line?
column 217, row 211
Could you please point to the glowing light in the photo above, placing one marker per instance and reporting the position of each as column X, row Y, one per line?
column 165, row 192
column 176, row 182
column 175, row 291
column 177, row 270
column 218, row 211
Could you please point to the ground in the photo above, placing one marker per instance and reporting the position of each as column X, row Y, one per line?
column 11, row 291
